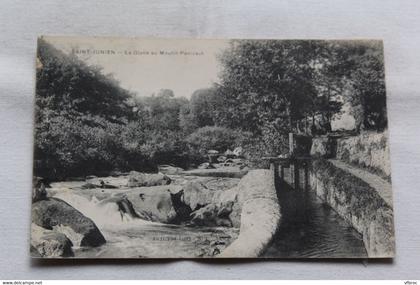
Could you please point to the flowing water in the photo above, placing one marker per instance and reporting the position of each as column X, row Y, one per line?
column 129, row 237
column 311, row 229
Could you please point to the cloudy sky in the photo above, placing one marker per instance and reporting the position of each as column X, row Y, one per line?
column 147, row 65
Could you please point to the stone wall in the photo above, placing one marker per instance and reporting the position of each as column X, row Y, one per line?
column 260, row 215
column 358, row 203
column 368, row 150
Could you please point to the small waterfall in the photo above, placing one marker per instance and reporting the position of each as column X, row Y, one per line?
column 128, row 232
column 107, row 213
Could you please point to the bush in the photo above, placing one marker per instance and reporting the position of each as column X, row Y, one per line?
column 85, row 123
column 70, row 147
column 214, row 138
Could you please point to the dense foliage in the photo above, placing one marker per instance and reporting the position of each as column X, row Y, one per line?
column 215, row 138
column 86, row 123
column 200, row 110
column 269, row 87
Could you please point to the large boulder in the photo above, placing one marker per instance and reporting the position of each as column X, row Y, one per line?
column 209, row 190
column 205, row 216
column 206, row 165
column 56, row 214
column 214, row 202
column 38, row 189
column 213, row 215
column 174, row 203
column 125, row 207
column 164, row 204
column 235, row 162
column 138, row 179
column 197, row 194
column 182, row 210
column 154, row 203
column 170, row 170
column 228, row 203
column 46, row 243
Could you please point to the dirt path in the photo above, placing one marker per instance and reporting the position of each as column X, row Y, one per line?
column 382, row 186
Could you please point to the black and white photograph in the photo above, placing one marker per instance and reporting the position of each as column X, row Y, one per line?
column 210, row 148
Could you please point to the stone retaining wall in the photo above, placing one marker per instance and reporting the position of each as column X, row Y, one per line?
column 368, row 150
column 260, row 215
column 358, row 203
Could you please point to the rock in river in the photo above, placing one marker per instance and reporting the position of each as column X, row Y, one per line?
column 213, row 215
column 46, row 243
column 38, row 189
column 170, row 170
column 56, row 214
column 138, row 179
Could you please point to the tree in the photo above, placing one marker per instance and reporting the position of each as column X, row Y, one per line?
column 368, row 81
column 276, row 79
column 66, row 83
column 161, row 110
column 200, row 111
column 267, row 86
column 212, row 138
column 277, row 84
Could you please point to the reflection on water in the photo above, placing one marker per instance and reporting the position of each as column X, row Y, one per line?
column 310, row 228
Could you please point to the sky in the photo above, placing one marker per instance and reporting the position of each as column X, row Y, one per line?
column 147, row 65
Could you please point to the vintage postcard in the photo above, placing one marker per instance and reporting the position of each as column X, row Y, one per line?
column 167, row 148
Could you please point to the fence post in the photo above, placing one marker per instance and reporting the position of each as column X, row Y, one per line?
column 291, row 144
column 274, row 167
column 294, row 167
column 281, row 175
column 306, row 165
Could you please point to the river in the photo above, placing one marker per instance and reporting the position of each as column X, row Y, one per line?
column 309, row 228
column 129, row 237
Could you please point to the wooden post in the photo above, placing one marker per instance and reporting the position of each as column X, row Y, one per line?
column 295, row 181
column 294, row 168
column 277, row 165
column 291, row 144
column 274, row 167
column 281, row 175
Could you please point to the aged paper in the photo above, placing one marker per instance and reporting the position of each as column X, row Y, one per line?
column 166, row 148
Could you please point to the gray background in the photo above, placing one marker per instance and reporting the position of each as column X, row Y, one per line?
column 397, row 22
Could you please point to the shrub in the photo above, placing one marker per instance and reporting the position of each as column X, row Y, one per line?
column 214, row 138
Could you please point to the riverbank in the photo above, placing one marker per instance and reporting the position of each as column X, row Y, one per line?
column 310, row 228
column 260, row 215
column 359, row 203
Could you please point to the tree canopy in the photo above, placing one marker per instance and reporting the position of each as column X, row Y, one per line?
column 270, row 84
column 87, row 123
